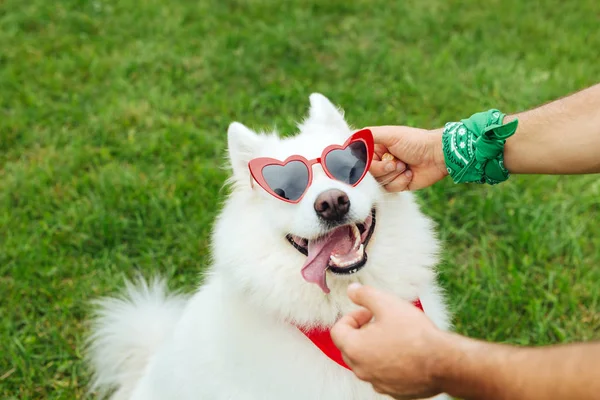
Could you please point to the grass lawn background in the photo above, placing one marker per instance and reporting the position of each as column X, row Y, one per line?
column 113, row 118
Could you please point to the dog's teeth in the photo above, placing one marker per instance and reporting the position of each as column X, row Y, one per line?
column 356, row 233
column 335, row 258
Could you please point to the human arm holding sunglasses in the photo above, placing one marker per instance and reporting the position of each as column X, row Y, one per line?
column 561, row 137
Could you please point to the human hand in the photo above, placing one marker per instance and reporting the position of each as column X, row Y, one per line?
column 420, row 158
column 398, row 352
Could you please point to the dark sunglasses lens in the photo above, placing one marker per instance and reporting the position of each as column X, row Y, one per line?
column 349, row 164
column 288, row 181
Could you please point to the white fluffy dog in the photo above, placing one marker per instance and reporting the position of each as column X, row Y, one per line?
column 243, row 334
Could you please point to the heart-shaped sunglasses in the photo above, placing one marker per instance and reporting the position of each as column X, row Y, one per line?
column 289, row 180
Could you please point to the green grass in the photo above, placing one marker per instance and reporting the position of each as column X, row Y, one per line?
column 112, row 132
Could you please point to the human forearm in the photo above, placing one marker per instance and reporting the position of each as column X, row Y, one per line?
column 561, row 137
column 475, row 370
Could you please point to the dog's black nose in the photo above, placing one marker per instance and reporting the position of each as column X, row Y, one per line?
column 332, row 205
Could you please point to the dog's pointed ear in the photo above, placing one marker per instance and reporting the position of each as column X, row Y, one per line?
column 242, row 144
column 324, row 112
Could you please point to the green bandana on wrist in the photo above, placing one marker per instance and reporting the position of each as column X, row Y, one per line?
column 474, row 147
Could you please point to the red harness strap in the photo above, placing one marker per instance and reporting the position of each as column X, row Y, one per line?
column 322, row 339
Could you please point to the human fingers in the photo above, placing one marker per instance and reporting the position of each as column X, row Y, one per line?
column 400, row 182
column 381, row 168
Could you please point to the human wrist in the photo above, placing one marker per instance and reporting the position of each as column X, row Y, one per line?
column 443, row 361
column 450, row 368
column 470, row 368
column 438, row 151
column 512, row 146
column 474, row 147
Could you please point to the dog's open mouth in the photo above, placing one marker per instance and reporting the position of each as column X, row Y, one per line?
column 341, row 251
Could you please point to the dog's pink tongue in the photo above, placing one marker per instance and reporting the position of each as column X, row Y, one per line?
column 319, row 252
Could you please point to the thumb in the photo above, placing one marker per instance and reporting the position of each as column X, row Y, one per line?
column 369, row 298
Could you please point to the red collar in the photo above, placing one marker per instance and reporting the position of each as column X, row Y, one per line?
column 322, row 339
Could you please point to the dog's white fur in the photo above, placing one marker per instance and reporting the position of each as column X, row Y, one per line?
column 235, row 337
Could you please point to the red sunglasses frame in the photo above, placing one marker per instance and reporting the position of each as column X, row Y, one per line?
column 256, row 165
